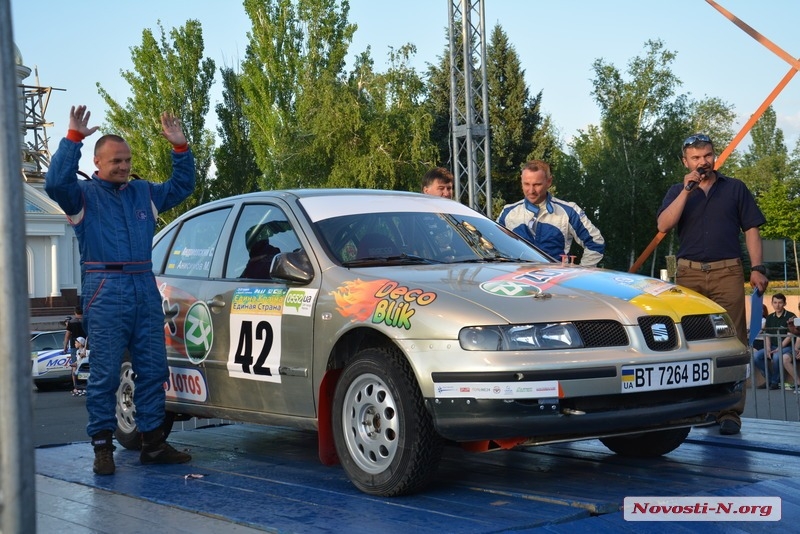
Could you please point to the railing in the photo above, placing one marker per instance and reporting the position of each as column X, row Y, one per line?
column 781, row 404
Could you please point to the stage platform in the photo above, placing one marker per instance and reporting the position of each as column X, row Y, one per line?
column 247, row 478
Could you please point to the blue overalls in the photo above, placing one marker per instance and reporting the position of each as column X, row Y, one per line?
column 115, row 224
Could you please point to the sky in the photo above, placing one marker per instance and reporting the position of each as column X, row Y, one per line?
column 74, row 45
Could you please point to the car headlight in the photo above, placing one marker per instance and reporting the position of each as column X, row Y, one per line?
column 546, row 336
column 723, row 326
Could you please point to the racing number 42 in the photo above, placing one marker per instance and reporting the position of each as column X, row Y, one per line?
column 244, row 350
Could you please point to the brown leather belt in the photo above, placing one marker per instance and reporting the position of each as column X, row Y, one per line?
column 709, row 265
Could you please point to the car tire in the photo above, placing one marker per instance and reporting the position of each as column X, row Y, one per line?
column 383, row 433
column 43, row 386
column 648, row 444
column 127, row 432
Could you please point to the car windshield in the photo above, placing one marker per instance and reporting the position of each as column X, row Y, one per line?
column 407, row 237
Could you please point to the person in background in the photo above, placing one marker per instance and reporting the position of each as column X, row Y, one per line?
column 438, row 182
column 790, row 360
column 114, row 219
column 75, row 330
column 80, row 356
column 548, row 222
column 777, row 343
column 710, row 211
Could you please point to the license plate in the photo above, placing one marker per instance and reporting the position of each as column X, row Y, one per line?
column 657, row 376
column 83, row 376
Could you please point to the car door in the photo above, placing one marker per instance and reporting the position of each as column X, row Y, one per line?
column 242, row 338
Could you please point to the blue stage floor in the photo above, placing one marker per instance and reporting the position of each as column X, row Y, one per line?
column 269, row 479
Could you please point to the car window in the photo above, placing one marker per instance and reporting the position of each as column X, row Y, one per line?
column 262, row 232
column 428, row 236
column 194, row 246
column 160, row 250
column 48, row 340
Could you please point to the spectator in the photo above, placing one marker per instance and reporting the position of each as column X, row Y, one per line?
column 74, row 326
column 710, row 211
column 790, row 360
column 548, row 222
column 438, row 182
column 776, row 344
column 114, row 219
column 80, row 357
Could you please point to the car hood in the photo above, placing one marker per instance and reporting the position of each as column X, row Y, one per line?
column 516, row 293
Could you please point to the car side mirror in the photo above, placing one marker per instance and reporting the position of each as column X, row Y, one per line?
column 293, row 266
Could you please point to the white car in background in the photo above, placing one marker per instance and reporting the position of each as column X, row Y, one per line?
column 50, row 365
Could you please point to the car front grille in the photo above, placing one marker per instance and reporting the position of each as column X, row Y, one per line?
column 659, row 332
column 696, row 327
column 602, row 333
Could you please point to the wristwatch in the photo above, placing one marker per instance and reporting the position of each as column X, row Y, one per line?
column 759, row 269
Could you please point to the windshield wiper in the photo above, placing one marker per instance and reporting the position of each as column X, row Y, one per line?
column 489, row 259
column 401, row 259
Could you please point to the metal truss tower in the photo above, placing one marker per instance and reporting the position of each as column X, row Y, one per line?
column 469, row 105
column 35, row 151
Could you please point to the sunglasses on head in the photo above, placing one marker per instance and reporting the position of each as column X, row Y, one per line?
column 692, row 139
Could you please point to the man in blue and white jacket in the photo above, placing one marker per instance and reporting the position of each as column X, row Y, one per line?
column 548, row 222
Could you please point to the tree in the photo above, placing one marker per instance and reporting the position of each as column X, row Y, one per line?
column 767, row 158
column 518, row 131
column 625, row 165
column 390, row 145
column 237, row 171
column 291, row 77
column 312, row 124
column 771, row 175
column 167, row 76
column 514, row 116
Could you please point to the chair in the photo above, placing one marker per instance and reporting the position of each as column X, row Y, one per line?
column 376, row 245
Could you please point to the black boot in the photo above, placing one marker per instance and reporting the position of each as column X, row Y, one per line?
column 103, row 444
column 156, row 450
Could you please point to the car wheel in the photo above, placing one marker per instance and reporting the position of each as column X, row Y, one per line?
column 127, row 432
column 649, row 444
column 41, row 385
column 384, row 436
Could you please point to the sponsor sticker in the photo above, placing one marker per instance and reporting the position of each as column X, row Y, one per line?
column 186, row 384
column 498, row 390
column 198, row 332
column 299, row 302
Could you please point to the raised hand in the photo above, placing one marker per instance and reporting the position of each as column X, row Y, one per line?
column 172, row 130
column 79, row 121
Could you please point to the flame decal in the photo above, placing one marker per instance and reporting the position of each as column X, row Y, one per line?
column 356, row 298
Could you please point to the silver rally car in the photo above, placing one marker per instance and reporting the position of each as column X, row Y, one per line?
column 393, row 323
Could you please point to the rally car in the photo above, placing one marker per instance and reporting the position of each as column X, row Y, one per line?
column 393, row 323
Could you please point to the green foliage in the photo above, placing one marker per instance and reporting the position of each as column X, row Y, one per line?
column 237, row 171
column 168, row 75
column 315, row 126
column 518, row 131
column 514, row 115
column 624, row 166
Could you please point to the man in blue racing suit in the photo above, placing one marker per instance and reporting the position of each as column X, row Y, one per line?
column 114, row 219
column 548, row 222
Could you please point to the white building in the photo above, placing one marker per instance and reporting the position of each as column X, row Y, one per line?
column 51, row 249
